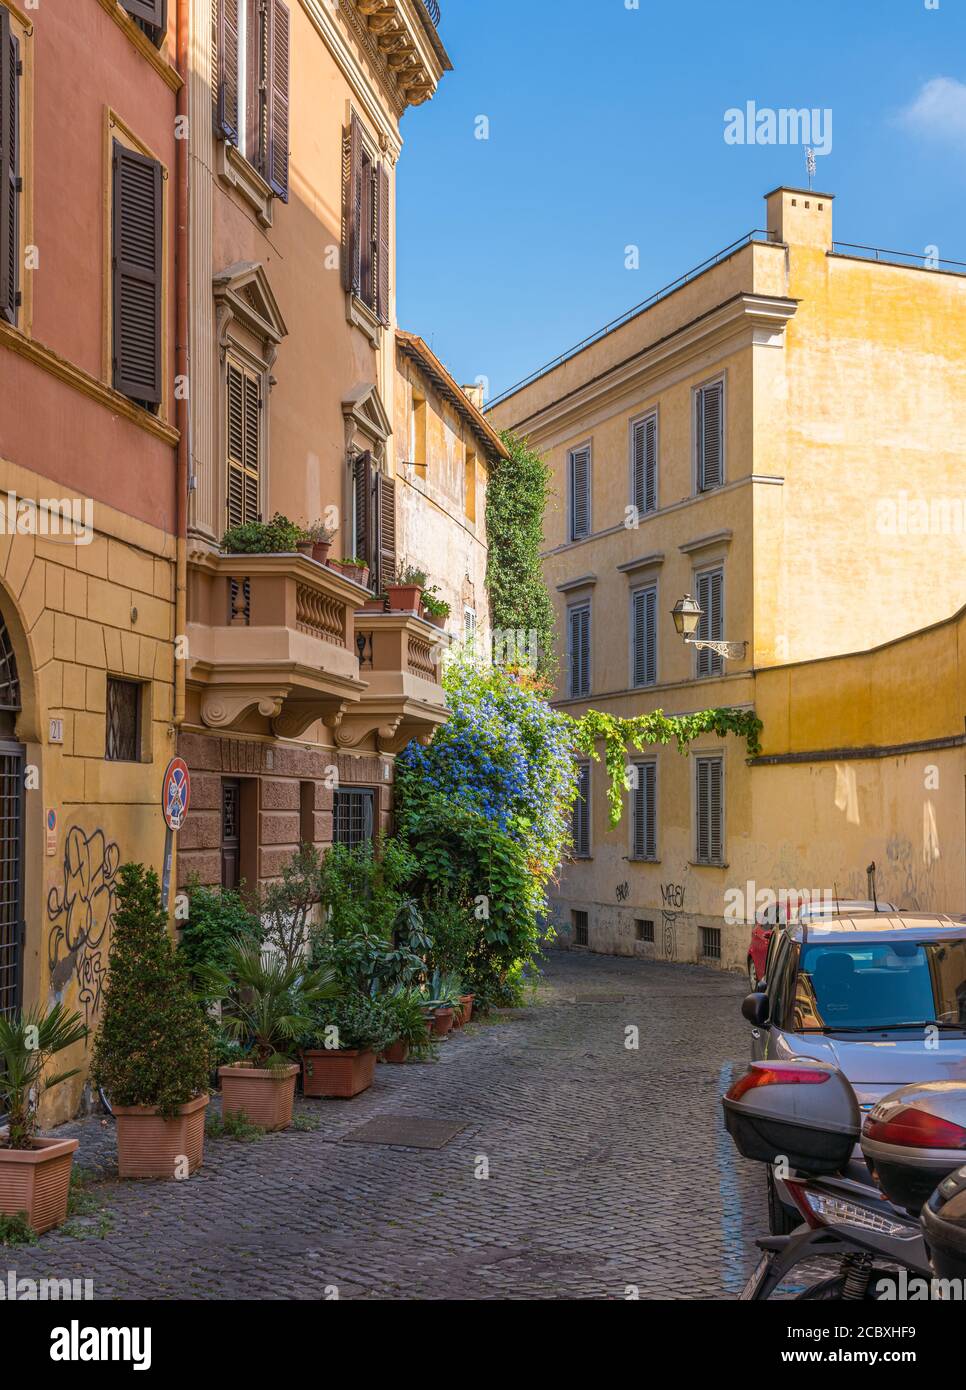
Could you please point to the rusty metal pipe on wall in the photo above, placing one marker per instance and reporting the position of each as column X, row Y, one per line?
column 182, row 405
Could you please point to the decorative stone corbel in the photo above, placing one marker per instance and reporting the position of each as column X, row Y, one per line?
column 220, row 709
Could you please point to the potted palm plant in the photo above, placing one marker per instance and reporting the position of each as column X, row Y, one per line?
column 34, row 1171
column 152, row 1051
column 266, row 1006
column 339, row 1051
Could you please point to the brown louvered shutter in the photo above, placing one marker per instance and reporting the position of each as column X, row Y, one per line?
column 382, row 244
column 351, row 171
column 137, row 276
column 225, row 74
column 362, row 489
column 279, row 23
column 243, row 408
column 386, row 499
column 9, row 170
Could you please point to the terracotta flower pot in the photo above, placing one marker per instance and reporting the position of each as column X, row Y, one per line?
column 263, row 1095
column 443, row 1022
column 374, row 605
column 437, row 619
column 149, row 1146
column 37, row 1181
column 467, row 1001
column 326, row 1072
column 304, row 547
column 396, row 1052
column 320, row 551
column 404, row 598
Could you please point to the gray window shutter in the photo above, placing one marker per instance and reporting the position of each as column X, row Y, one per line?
column 9, row 171
column 279, row 26
column 716, row 777
column 136, row 270
column 711, row 627
column 225, row 76
column 645, row 811
column 645, row 464
column 710, row 810
column 153, row 14
column 581, row 812
column 645, row 636
column 580, row 651
column 709, row 428
column 579, row 494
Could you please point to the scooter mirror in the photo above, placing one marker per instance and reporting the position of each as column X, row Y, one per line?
column 755, row 1009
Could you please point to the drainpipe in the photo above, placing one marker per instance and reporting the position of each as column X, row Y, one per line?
column 182, row 403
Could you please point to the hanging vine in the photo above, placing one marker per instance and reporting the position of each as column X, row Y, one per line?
column 617, row 735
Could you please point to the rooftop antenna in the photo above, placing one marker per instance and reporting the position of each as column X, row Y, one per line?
column 810, row 166
column 870, row 871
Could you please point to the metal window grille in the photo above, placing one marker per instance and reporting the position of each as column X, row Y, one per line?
column 123, row 721
column 11, row 874
column 353, row 817
column 579, row 923
column 9, row 680
column 644, row 929
column 711, row 943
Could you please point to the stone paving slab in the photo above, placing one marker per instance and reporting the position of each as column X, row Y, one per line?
column 608, row 1169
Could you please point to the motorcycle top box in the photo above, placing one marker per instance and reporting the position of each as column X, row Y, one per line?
column 803, row 1112
column 944, row 1226
column 914, row 1138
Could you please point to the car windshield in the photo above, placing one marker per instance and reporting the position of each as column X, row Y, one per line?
column 880, row 985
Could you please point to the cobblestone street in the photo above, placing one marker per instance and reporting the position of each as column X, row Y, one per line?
column 608, row 1167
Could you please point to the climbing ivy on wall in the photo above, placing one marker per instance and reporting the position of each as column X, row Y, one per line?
column 516, row 498
column 617, row 735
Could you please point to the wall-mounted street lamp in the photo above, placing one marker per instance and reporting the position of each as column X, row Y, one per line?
column 687, row 614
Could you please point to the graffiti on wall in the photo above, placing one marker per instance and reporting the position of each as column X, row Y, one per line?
column 80, row 910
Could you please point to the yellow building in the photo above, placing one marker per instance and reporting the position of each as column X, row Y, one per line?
column 771, row 435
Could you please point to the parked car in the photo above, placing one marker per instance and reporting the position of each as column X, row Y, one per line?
column 769, row 917
column 880, row 995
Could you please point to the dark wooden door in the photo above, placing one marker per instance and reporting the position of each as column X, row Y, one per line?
column 230, row 834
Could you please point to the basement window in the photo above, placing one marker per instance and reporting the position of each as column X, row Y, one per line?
column 711, row 943
column 578, row 921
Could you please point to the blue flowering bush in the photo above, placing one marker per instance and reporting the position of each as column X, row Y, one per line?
column 485, row 809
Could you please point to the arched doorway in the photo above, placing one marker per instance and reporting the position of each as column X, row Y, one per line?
column 11, row 830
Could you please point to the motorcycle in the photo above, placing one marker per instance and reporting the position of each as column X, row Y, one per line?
column 803, row 1117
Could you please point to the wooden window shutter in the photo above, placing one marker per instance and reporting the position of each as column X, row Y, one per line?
column 137, row 276
column 645, row 636
column 710, row 810
column 363, row 485
column 225, row 76
column 645, row 464
column 279, row 27
column 385, row 568
column 580, row 651
column 709, row 425
column 9, row 170
column 579, row 494
column 580, row 825
column 645, row 811
column 243, row 431
column 382, row 244
column 711, row 625
column 351, row 210
column 153, row 14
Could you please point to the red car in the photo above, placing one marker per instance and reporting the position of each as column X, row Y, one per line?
column 769, row 917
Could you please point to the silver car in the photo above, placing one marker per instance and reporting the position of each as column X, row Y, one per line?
column 881, row 995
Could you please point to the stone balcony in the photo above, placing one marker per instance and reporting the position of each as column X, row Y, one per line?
column 283, row 639
column 402, row 38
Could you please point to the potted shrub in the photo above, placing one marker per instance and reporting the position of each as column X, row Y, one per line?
column 446, row 998
column 409, row 1024
column 276, row 537
column 152, row 1051
column 339, row 1055
column 34, row 1171
column 375, row 604
column 435, row 609
column 266, row 1005
column 320, row 537
column 406, row 588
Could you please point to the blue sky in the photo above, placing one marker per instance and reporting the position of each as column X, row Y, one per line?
column 606, row 130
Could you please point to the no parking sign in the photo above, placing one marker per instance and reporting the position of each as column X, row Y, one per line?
column 175, row 799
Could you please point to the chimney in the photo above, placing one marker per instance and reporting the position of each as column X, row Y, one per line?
column 475, row 394
column 800, row 217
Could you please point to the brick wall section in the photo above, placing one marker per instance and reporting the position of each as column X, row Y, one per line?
column 279, row 770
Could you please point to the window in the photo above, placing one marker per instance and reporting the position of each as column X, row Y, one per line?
column 644, row 930
column 123, row 721
column 580, row 824
column 136, row 276
column 644, row 464
column 710, row 587
column 644, row 636
column 578, row 920
column 709, row 797
column 10, row 181
column 243, row 432
column 366, row 222
column 307, row 813
column 469, row 625
column 469, row 486
column 151, row 16
column 644, row 818
column 709, row 435
column 251, row 84
column 353, row 817
column 417, row 436
column 374, row 520
column 578, row 623
column 710, row 943
column 579, row 491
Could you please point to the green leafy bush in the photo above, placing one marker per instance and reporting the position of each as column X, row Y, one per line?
column 517, row 494
column 278, row 536
column 366, row 889
column 153, row 1045
column 352, row 1021
column 217, row 917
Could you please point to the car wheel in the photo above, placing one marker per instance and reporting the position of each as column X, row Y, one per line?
column 781, row 1222
column 752, row 975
